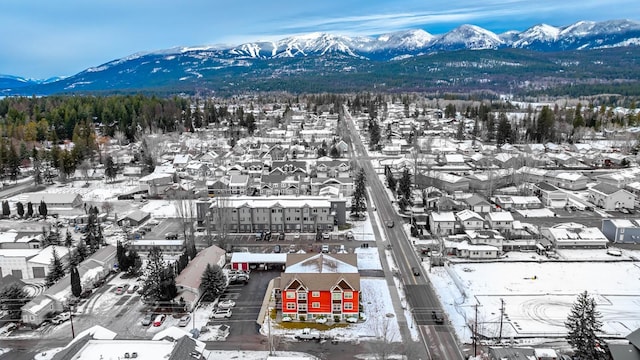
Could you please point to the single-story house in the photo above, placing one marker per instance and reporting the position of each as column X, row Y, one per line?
column 134, row 218
column 188, row 281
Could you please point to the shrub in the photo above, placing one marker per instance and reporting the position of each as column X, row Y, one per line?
column 302, row 318
column 336, row 318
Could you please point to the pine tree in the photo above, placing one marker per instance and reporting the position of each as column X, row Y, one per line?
column 29, row 209
column 12, row 298
column 82, row 252
column 135, row 263
column 391, row 181
column 584, row 324
column 110, row 171
column 213, row 282
column 42, row 209
column 159, row 284
column 76, row 287
column 358, row 202
column 121, row 257
column 20, row 209
column 404, row 185
column 56, row 270
column 503, row 135
column 6, row 211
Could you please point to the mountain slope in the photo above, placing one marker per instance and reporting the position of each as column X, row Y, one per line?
column 321, row 56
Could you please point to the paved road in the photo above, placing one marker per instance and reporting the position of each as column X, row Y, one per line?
column 439, row 340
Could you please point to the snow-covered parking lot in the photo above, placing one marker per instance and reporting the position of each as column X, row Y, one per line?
column 537, row 296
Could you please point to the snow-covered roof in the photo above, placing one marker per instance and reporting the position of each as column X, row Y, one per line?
column 271, row 201
column 46, row 255
column 468, row 215
column 500, row 216
column 443, row 216
column 320, row 264
column 243, row 257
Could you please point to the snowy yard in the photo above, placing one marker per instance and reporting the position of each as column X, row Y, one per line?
column 535, row 213
column 537, row 296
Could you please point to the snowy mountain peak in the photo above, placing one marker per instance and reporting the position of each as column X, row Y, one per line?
column 470, row 37
column 410, row 39
column 541, row 33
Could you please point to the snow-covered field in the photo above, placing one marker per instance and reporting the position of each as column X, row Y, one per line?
column 537, row 296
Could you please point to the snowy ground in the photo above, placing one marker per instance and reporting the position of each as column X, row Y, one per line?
column 534, row 213
column 537, row 296
column 368, row 258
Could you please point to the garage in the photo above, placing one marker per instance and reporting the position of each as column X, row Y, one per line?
column 38, row 272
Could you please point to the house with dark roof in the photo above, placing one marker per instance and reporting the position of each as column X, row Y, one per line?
column 135, row 218
column 55, row 200
column 478, row 204
column 550, row 196
column 188, row 281
column 610, row 197
column 629, row 351
column 320, row 285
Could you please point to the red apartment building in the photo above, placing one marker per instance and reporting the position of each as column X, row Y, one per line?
column 320, row 285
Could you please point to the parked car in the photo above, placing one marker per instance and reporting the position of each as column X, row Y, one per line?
column 133, row 289
column 352, row 319
column 171, row 236
column 121, row 289
column 296, row 236
column 625, row 211
column 326, row 236
column 286, row 318
column 159, row 320
column 321, row 320
column 221, row 314
column 184, row 321
column 325, row 249
column 349, row 235
column 147, row 319
column 60, row 318
column 226, row 304
column 276, row 249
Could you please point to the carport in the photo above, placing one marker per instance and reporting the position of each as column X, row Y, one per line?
column 245, row 261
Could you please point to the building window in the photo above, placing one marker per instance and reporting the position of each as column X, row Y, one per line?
column 336, row 296
column 337, row 307
column 302, row 296
column 291, row 295
column 348, row 295
column 348, row 306
column 291, row 306
column 315, row 294
column 315, row 305
column 302, row 307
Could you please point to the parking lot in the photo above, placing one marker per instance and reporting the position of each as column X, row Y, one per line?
column 249, row 299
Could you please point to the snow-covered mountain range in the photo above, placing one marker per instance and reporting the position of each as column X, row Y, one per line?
column 542, row 37
column 300, row 54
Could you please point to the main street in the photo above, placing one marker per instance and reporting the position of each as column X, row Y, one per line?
column 439, row 340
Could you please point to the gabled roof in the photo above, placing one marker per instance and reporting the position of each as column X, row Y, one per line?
column 191, row 276
column 137, row 215
column 606, row 189
column 476, row 199
column 465, row 215
column 500, row 216
column 447, row 216
column 321, row 263
column 546, row 187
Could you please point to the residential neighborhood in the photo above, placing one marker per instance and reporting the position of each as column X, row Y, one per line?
column 310, row 222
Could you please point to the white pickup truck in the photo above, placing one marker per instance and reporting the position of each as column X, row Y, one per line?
column 308, row 334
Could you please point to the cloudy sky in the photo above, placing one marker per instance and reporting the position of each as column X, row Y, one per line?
column 41, row 39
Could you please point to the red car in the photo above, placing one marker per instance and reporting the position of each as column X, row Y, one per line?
column 159, row 320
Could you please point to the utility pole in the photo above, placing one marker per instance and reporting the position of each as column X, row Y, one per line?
column 475, row 333
column 501, row 317
column 73, row 333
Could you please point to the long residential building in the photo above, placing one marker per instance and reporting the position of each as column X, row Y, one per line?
column 274, row 213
